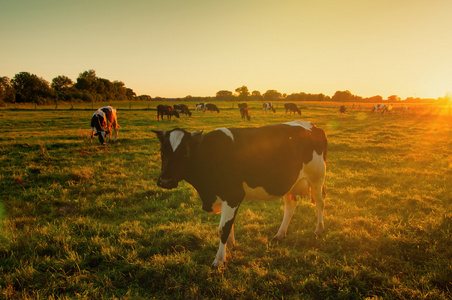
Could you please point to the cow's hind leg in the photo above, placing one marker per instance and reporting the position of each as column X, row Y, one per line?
column 290, row 204
column 318, row 196
column 225, row 232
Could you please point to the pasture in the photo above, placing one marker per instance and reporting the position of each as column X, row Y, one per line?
column 81, row 220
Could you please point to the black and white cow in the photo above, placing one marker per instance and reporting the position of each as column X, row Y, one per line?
column 244, row 111
column 211, row 107
column 182, row 109
column 99, row 126
column 378, row 107
column 267, row 106
column 166, row 110
column 292, row 107
column 103, row 121
column 383, row 108
column 112, row 121
column 228, row 166
column 200, row 106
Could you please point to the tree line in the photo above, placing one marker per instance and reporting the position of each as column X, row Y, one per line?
column 25, row 87
column 29, row 88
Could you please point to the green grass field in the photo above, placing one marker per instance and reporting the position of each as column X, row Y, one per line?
column 81, row 220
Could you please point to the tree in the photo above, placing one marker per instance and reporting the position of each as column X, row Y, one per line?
column 224, row 95
column 272, row 95
column 242, row 92
column 377, row 98
column 130, row 94
column 394, row 98
column 256, row 95
column 7, row 93
column 61, row 83
column 345, row 96
column 31, row 88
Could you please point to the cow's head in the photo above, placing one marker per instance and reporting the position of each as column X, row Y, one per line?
column 101, row 135
column 176, row 113
column 175, row 150
column 100, row 126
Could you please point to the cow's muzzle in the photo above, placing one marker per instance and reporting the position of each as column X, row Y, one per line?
column 167, row 183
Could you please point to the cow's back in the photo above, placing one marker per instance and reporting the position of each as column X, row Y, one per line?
column 270, row 157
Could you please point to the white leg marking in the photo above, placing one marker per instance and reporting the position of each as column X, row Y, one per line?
column 290, row 204
column 317, row 195
column 227, row 214
column 314, row 172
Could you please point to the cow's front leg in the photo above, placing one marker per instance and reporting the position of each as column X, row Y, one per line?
column 290, row 203
column 116, row 134
column 225, row 232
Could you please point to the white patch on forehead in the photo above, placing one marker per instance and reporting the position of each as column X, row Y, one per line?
column 175, row 138
column 227, row 132
column 305, row 124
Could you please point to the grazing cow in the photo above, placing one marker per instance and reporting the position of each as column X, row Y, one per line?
column 244, row 111
column 228, row 166
column 388, row 109
column 383, row 108
column 378, row 107
column 211, row 107
column 99, row 126
column 166, row 110
column 182, row 109
column 343, row 109
column 267, row 106
column 112, row 121
column 200, row 106
column 292, row 107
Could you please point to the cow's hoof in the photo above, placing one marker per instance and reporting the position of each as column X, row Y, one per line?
column 276, row 239
column 319, row 230
column 218, row 265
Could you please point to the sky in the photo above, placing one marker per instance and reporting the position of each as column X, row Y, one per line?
column 176, row 48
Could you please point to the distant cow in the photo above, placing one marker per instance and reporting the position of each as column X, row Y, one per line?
column 211, row 107
column 182, row 109
column 388, row 109
column 200, row 106
column 383, row 108
column 230, row 165
column 103, row 121
column 244, row 111
column 343, row 109
column 292, row 107
column 267, row 106
column 166, row 110
column 378, row 107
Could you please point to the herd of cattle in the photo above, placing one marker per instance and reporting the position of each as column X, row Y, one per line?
column 229, row 165
column 177, row 109
column 105, row 120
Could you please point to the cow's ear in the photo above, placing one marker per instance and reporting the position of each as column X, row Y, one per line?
column 160, row 134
